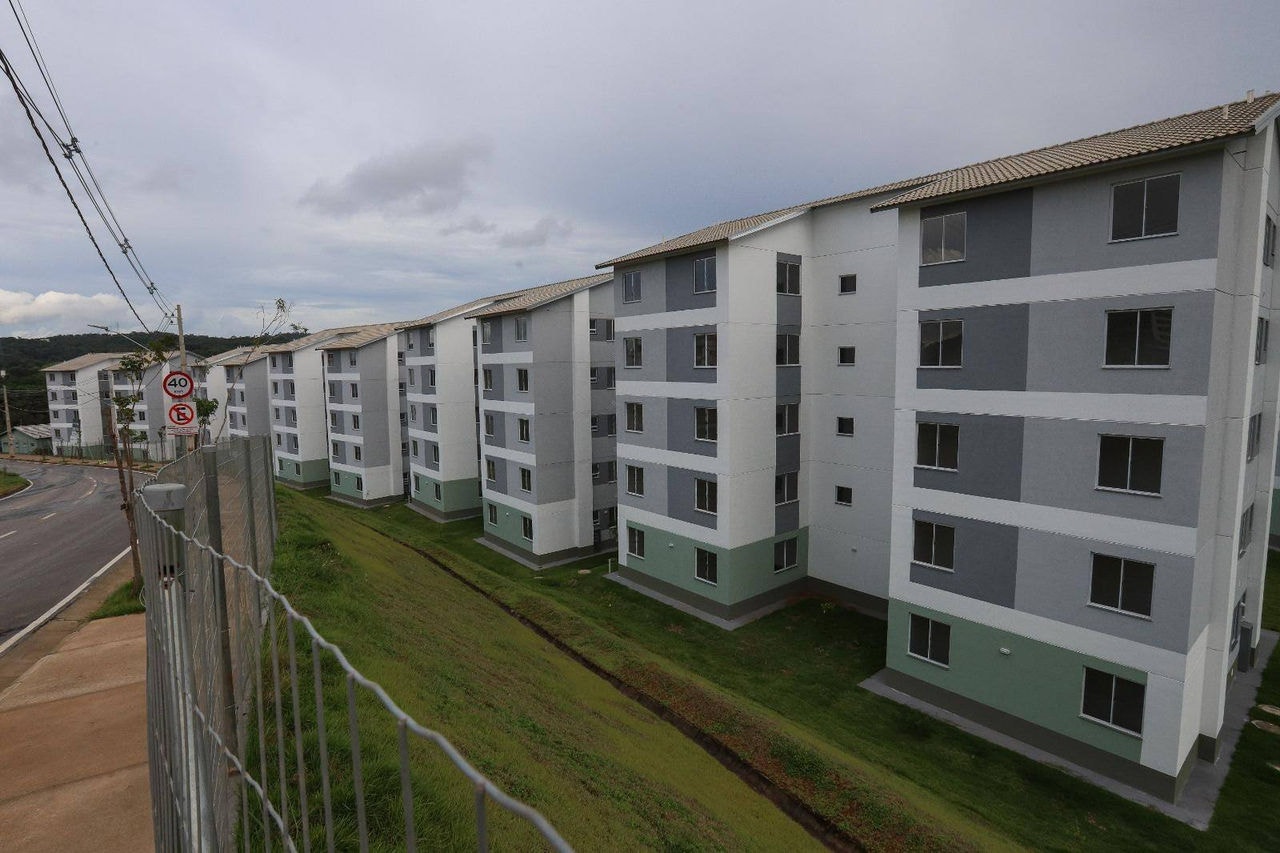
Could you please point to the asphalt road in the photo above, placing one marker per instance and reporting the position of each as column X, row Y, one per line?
column 54, row 536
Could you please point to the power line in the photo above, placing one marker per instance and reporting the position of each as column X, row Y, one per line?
column 8, row 71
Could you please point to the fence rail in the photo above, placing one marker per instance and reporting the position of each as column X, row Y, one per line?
column 243, row 694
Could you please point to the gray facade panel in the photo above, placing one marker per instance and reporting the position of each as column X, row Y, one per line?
column 986, row 560
column 499, row 437
column 788, row 452
column 1069, row 346
column 1055, row 575
column 1060, row 468
column 653, row 356
column 788, row 382
column 997, row 239
column 994, row 352
column 679, row 283
column 680, row 355
column 682, row 427
column 495, row 333
column 377, row 392
column 429, row 450
column 654, row 498
column 1072, row 219
column 499, row 483
column 498, row 372
column 509, row 342
column 989, row 458
column 786, row 518
column 656, row 428
column 554, row 436
column 789, row 312
column 682, row 495
column 653, row 290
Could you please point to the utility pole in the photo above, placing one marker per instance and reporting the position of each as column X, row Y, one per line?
column 8, row 424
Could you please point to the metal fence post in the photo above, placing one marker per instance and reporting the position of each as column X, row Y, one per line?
column 213, row 505
column 168, row 502
column 251, row 519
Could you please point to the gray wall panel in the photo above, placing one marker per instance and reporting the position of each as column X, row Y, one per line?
column 986, row 560
column 990, row 456
column 654, row 498
column 994, row 354
column 997, row 239
column 653, row 353
column 679, row 283
column 789, row 310
column 682, row 495
column 680, row 355
column 656, row 429
column 788, row 452
column 495, row 334
column 786, row 518
column 653, row 289
column 682, row 427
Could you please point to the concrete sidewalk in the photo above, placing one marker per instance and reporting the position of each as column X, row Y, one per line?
column 73, row 745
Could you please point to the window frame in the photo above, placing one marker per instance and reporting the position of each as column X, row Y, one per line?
column 941, row 322
column 1111, row 219
column 790, row 481
column 787, row 408
column 1119, row 607
column 1084, row 681
column 794, row 543
column 840, row 425
column 632, row 347
column 705, row 350
column 524, row 430
column 635, row 542
column 526, row 480
column 840, row 288
column 635, row 417
column 705, row 265
column 1136, row 365
column 629, row 280
column 852, row 351
column 932, row 563
column 486, row 332
column 635, row 477
column 706, row 419
column 937, row 445
column 1253, row 443
column 706, row 494
column 1129, row 468
column 1245, row 535
column 706, row 562
column 1262, row 341
column 526, row 528
column 783, row 278
column 1268, row 241
column 522, row 330
column 785, row 349
column 840, row 489
column 493, row 512
column 927, row 657
column 522, row 380
column 964, row 250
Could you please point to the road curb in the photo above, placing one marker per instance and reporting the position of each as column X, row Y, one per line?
column 67, row 601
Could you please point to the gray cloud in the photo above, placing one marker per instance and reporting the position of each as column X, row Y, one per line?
column 474, row 225
column 165, row 179
column 428, row 178
column 537, row 235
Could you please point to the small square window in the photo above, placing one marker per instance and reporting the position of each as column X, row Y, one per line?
column 849, row 283
column 848, row 355
column 844, row 495
column 844, row 426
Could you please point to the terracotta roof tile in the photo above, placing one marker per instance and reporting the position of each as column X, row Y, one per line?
column 89, row 359
column 533, row 297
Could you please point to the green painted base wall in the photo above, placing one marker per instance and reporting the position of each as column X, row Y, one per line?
column 742, row 572
column 508, row 528
column 455, row 495
column 313, row 471
column 346, row 485
column 1036, row 681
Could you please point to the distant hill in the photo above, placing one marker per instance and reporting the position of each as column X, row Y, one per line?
column 24, row 358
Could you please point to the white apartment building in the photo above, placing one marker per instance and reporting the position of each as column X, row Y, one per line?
column 80, row 408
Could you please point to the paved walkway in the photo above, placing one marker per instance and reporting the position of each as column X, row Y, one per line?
column 73, row 745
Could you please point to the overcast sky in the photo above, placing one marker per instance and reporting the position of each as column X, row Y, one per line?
column 375, row 161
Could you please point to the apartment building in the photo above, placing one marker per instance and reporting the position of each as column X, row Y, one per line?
column 755, row 388
column 442, row 406
column 1085, row 435
column 296, row 399
column 238, row 381
column 546, row 445
column 364, row 391
column 80, row 408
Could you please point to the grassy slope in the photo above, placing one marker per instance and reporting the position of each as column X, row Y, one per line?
column 805, row 663
column 10, row 483
column 606, row 772
column 122, row 601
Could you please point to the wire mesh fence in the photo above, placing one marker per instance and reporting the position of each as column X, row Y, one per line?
column 262, row 734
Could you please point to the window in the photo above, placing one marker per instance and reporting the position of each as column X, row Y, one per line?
column 522, row 329
column 359, row 483
column 937, row 446
column 493, row 513
column 431, row 337
column 355, row 391
column 413, row 447
column 400, row 358
column 413, row 412
column 1255, row 436
column 610, row 377
column 787, row 416
column 1130, row 464
column 704, row 275
column 486, row 332
column 275, row 389
column 524, row 428
column 593, row 328
column 435, row 490
column 844, row 426
column 935, row 545
column 848, row 355
column 1139, row 338
column 942, row 239
column 411, row 376
column 785, row 555
column 705, row 566
column 633, row 352
column 351, row 358
column 705, row 495
column 611, row 427
column 635, row 417
column 595, row 423
column 844, row 495
column 489, row 425
column 522, row 379
column 608, row 330
column 705, row 427
column 1237, row 618
column 1147, row 208
column 1269, row 243
column 930, row 640
column 356, row 449
column 1120, row 584
column 941, row 343
column 488, row 379
column 789, row 278
column 635, row 542
column 355, row 422
column 337, row 450
column 595, row 376
column 1262, row 341
column 848, row 284
column 1113, row 700
column 786, row 488
column 279, row 439
column 595, row 471
column 526, row 480
column 788, row 351
column 611, row 471
column 435, row 453
column 273, row 361
column 1246, row 531
column 704, row 350
column 417, row 483
column 631, row 286
column 431, row 377
column 337, row 478
column 491, row 470
column 635, row 480
column 526, row 527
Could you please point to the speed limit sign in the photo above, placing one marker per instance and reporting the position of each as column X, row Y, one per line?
column 178, row 385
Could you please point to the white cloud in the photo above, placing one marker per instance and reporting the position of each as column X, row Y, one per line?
column 56, row 311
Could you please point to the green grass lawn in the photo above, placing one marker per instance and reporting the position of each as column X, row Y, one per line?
column 10, row 483
column 803, row 665
column 606, row 772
